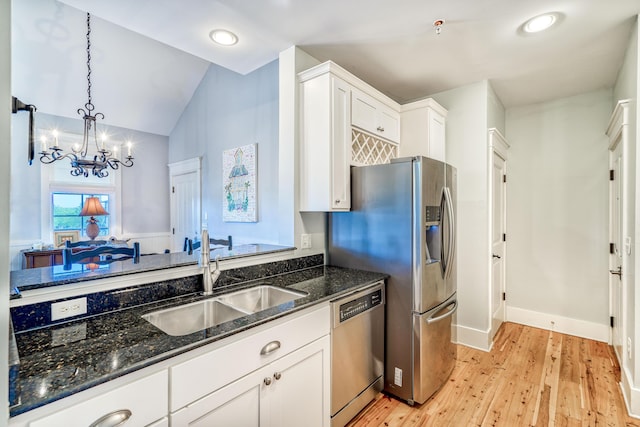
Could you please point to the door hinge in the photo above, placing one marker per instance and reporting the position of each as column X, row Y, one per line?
column 611, row 321
column 504, row 178
column 612, row 248
column 504, row 296
column 504, row 237
column 173, row 189
column 173, row 231
column 612, row 175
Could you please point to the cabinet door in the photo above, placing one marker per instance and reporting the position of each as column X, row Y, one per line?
column 325, row 152
column 374, row 117
column 436, row 135
column 340, row 146
column 299, row 392
column 236, row 405
column 363, row 111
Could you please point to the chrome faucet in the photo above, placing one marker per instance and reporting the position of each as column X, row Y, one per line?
column 208, row 277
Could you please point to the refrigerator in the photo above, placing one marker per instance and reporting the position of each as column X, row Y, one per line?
column 403, row 222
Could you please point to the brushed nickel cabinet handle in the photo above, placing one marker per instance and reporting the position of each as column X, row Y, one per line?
column 277, row 375
column 267, row 380
column 269, row 348
column 380, row 129
column 113, row 419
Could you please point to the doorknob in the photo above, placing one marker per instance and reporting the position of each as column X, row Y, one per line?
column 496, row 256
column 618, row 272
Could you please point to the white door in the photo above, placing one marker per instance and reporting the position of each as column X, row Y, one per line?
column 498, row 229
column 616, row 250
column 498, row 243
column 185, row 202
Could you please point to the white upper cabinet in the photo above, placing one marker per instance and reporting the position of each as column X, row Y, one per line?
column 343, row 122
column 374, row 117
column 326, row 148
column 423, row 129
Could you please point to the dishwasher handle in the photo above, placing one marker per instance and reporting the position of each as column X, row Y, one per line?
column 433, row 318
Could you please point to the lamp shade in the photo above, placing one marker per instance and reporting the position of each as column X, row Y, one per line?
column 93, row 207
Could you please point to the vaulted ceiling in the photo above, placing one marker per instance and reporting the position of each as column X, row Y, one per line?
column 150, row 55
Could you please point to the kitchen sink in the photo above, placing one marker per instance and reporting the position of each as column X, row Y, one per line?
column 196, row 316
column 260, row 298
column 193, row 317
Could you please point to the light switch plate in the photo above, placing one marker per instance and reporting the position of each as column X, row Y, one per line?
column 305, row 241
column 69, row 308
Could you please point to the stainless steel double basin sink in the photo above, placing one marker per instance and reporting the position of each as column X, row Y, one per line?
column 192, row 317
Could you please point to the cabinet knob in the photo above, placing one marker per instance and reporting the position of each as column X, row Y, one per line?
column 277, row 375
column 380, row 129
column 267, row 380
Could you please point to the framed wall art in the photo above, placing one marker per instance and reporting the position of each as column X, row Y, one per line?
column 239, row 180
column 59, row 237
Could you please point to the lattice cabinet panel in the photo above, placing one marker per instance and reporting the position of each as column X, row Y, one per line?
column 369, row 150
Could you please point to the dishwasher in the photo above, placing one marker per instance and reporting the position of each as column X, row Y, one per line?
column 357, row 352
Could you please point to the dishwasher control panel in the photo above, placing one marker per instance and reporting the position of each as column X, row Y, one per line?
column 360, row 305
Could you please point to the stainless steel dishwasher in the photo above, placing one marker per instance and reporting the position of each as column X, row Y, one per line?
column 357, row 352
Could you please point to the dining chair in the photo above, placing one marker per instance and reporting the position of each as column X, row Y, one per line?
column 190, row 245
column 84, row 243
column 100, row 255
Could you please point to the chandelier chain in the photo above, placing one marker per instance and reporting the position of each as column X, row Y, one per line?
column 89, row 104
column 83, row 163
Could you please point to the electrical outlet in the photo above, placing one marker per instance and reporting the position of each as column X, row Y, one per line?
column 69, row 308
column 629, row 347
column 305, row 241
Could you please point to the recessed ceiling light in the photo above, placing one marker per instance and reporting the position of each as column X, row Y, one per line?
column 223, row 37
column 540, row 23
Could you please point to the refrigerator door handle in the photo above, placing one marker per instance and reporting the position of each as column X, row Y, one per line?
column 452, row 230
column 433, row 318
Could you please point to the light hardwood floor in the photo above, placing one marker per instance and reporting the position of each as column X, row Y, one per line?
column 531, row 377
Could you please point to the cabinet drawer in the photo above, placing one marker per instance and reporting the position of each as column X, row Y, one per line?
column 146, row 399
column 374, row 117
column 202, row 375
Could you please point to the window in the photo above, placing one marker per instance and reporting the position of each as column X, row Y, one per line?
column 66, row 207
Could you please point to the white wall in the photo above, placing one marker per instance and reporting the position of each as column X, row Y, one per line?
column 466, row 149
column 557, row 209
column 229, row 110
column 292, row 223
column 627, row 87
column 5, row 174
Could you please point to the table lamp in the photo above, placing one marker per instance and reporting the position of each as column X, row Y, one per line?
column 92, row 208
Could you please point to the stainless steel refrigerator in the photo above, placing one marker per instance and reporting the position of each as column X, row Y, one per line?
column 403, row 222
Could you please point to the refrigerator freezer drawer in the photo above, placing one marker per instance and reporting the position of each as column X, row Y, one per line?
column 434, row 354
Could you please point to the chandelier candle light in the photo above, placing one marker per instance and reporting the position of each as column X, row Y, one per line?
column 81, row 161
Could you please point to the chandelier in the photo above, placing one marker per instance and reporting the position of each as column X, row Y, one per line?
column 82, row 162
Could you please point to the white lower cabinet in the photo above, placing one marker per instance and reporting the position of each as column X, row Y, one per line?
column 140, row 403
column 274, row 375
column 291, row 391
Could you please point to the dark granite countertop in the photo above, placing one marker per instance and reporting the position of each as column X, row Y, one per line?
column 35, row 278
column 120, row 342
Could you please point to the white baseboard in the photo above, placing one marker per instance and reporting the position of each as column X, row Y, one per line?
column 474, row 338
column 553, row 322
column 630, row 394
